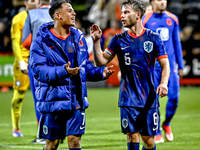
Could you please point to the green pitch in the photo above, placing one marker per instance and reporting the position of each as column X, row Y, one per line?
column 103, row 124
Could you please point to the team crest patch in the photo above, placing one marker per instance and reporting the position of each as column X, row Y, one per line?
column 148, row 46
column 45, row 129
column 169, row 22
column 124, row 123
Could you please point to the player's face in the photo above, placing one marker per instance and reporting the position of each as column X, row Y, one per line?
column 160, row 5
column 31, row 4
column 128, row 16
column 148, row 9
column 67, row 15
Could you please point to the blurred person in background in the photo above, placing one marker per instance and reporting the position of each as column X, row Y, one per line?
column 114, row 28
column 35, row 19
column 108, row 34
column 189, row 12
column 191, row 47
column 5, row 10
column 20, row 67
column 2, row 29
column 185, row 34
column 149, row 7
column 167, row 25
column 113, row 8
column 98, row 14
column 5, row 40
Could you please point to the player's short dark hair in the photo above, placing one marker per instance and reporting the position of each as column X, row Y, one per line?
column 56, row 5
column 136, row 5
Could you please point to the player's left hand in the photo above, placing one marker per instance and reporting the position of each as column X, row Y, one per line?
column 162, row 90
column 107, row 72
column 180, row 72
column 71, row 71
column 95, row 32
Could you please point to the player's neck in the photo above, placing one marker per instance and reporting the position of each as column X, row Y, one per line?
column 159, row 11
column 136, row 29
column 59, row 30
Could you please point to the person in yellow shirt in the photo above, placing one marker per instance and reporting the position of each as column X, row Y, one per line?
column 20, row 67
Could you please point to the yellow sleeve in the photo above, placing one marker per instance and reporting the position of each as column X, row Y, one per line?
column 16, row 34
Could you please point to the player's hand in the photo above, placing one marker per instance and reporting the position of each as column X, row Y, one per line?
column 180, row 72
column 107, row 72
column 95, row 32
column 23, row 66
column 71, row 71
column 162, row 90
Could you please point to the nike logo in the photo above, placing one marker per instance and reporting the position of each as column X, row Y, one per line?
column 82, row 128
column 125, row 47
column 153, row 23
column 51, row 47
column 154, row 129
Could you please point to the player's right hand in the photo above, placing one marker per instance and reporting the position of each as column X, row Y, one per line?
column 95, row 32
column 71, row 71
column 162, row 90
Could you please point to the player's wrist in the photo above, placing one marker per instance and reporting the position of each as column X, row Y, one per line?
column 164, row 82
column 96, row 41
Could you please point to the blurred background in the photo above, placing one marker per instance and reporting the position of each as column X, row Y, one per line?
column 106, row 13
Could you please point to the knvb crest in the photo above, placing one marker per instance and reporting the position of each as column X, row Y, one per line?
column 124, row 123
column 148, row 46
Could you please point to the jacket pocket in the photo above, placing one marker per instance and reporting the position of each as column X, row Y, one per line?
column 58, row 93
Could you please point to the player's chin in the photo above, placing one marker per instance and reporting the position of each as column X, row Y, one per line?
column 125, row 25
column 162, row 8
column 72, row 24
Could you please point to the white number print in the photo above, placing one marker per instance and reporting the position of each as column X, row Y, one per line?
column 82, row 127
column 155, row 120
column 127, row 58
column 83, row 118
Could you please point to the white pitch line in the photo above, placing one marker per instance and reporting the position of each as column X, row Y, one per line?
column 21, row 123
column 23, row 147
column 31, row 147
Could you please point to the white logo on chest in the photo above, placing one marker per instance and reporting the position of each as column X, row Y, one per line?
column 148, row 46
column 164, row 33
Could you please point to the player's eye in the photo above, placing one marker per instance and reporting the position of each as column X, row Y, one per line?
column 125, row 12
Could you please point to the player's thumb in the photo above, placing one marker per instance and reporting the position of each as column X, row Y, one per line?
column 68, row 64
column 157, row 91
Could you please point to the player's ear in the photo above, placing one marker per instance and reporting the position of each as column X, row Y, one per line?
column 138, row 15
column 57, row 15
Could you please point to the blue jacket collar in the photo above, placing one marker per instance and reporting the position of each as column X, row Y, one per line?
column 44, row 29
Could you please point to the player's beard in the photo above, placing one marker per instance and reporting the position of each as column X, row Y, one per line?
column 161, row 9
column 130, row 24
